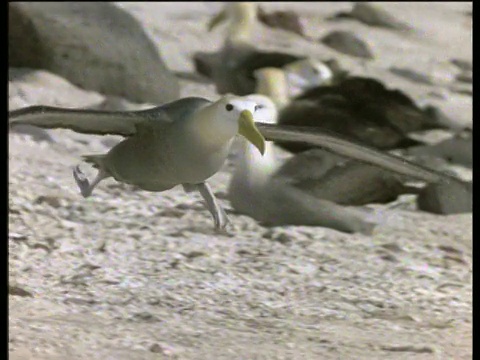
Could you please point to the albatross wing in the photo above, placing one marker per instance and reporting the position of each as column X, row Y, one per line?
column 79, row 120
column 354, row 151
column 98, row 122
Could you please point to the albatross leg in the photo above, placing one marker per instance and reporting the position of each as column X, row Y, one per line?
column 86, row 188
column 220, row 217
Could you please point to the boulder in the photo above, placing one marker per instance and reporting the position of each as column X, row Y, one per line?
column 447, row 198
column 348, row 43
column 96, row 46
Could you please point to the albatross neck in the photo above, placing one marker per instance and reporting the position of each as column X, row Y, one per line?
column 242, row 21
column 272, row 82
column 252, row 168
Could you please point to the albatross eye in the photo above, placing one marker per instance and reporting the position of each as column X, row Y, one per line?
column 258, row 107
column 229, row 107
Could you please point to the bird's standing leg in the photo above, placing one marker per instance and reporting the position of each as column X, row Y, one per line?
column 220, row 217
column 84, row 185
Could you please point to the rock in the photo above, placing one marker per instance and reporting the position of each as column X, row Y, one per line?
column 374, row 16
column 16, row 290
column 348, row 43
column 51, row 200
column 466, row 70
column 412, row 75
column 465, row 76
column 285, row 20
column 446, row 198
column 96, row 46
column 455, row 111
column 457, row 149
column 440, row 117
column 462, row 64
column 462, row 89
column 165, row 350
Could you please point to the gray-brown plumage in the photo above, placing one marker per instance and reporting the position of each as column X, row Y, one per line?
column 317, row 176
column 311, row 190
column 346, row 182
column 360, row 109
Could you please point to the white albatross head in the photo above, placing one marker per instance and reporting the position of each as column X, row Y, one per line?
column 306, row 74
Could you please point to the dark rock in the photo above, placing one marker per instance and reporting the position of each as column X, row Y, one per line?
column 438, row 116
column 18, row 291
column 373, row 16
column 446, row 198
column 347, row 43
column 412, row 75
column 285, row 20
column 462, row 64
column 457, row 150
column 96, row 46
column 50, row 200
column 465, row 77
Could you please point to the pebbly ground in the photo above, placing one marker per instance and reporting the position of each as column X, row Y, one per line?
column 129, row 274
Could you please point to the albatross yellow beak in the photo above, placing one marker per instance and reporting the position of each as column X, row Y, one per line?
column 217, row 19
column 247, row 128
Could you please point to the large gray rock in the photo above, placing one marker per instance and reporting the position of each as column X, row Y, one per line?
column 348, row 43
column 96, row 46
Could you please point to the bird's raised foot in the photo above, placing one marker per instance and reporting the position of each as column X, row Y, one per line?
column 82, row 181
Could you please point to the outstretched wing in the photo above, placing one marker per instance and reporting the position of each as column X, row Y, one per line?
column 354, row 151
column 86, row 121
column 79, row 120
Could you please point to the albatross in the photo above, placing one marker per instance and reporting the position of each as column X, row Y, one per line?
column 321, row 174
column 180, row 143
column 267, row 189
column 232, row 67
column 359, row 108
column 256, row 189
column 187, row 141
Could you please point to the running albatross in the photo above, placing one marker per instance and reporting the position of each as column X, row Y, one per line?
column 187, row 141
column 181, row 143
